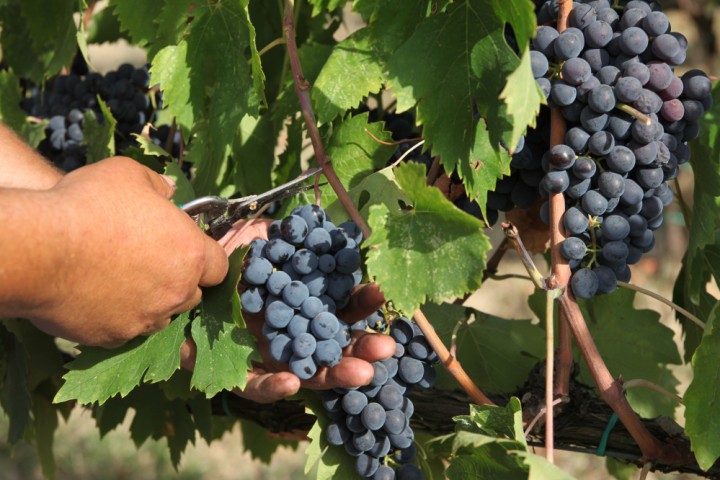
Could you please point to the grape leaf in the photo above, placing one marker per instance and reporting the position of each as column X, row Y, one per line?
column 148, row 147
column 52, row 29
column 702, row 422
column 495, row 421
column 541, row 469
column 105, row 27
column 497, row 367
column 224, row 347
column 326, row 461
column 619, row 469
column 483, row 456
column 376, row 189
column 320, row 6
column 210, row 89
column 45, row 422
column 520, row 15
column 99, row 137
column 449, row 87
column 12, row 115
column 351, row 73
column 172, row 24
column 523, row 97
column 254, row 154
column 681, row 296
column 259, row 443
column 15, row 396
column 410, row 250
column 98, row 373
column 705, row 222
column 138, row 19
column 633, row 344
column 354, row 153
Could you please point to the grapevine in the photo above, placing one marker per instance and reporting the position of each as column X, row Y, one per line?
column 584, row 131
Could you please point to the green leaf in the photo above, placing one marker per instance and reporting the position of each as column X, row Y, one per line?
column 254, row 154
column 705, row 226
column 354, row 153
column 45, row 422
column 379, row 188
column 481, row 456
column 327, row 461
column 149, row 148
column 259, row 443
column 138, row 19
column 320, row 6
column 633, row 343
column 495, row 421
column 14, row 396
column 350, row 74
column 541, row 469
column 410, row 249
column 183, row 189
column 52, row 30
column 619, row 469
column 523, row 97
column 12, row 115
column 702, row 397
column 105, row 27
column 209, row 89
column 681, row 296
column 519, row 14
column 224, row 347
column 453, row 61
column 497, row 367
column 172, row 24
column 99, row 137
column 98, row 373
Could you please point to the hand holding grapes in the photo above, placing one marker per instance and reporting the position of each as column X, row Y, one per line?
column 270, row 381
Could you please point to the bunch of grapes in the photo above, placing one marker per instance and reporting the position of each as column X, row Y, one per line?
column 301, row 276
column 66, row 98
column 373, row 422
column 629, row 118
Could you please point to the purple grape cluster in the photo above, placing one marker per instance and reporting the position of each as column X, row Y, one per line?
column 629, row 120
column 66, row 98
column 301, row 276
column 373, row 422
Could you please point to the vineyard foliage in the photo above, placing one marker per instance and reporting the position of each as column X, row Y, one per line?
column 472, row 93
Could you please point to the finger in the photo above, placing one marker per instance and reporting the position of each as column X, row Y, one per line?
column 349, row 373
column 156, row 327
column 364, row 300
column 190, row 303
column 244, row 232
column 188, row 354
column 265, row 387
column 371, row 347
column 216, row 263
column 162, row 184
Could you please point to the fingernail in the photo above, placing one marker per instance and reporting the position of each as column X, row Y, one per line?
column 170, row 181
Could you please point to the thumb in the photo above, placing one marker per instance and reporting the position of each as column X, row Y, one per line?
column 162, row 184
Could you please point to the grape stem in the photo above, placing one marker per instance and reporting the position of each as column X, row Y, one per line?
column 549, row 372
column 633, row 112
column 450, row 362
column 409, row 151
column 664, row 300
column 394, row 143
column 511, row 233
column 302, row 87
column 641, row 382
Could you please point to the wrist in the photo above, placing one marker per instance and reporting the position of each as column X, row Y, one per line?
column 32, row 242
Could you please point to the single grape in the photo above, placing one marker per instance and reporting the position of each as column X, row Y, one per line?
column 337, row 434
column 318, row 241
column 569, row 44
column 410, row 370
column 281, row 348
column 607, row 282
column 354, row 402
column 390, row 397
column 304, row 261
column 598, row 34
column 366, row 465
column 327, row 353
column 395, row 422
column 594, row 203
column 294, row 229
column 373, row 416
column 279, row 251
column 584, row 283
column 324, row 325
column 278, row 314
column 304, row 345
column 555, row 181
column 633, row 40
column 573, row 248
column 302, row 367
column 257, row 270
column 575, row 221
column 601, row 143
column 575, row 71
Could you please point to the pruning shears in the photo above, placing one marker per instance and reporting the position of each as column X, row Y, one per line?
column 220, row 213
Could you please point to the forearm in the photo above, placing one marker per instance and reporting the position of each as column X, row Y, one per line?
column 23, row 167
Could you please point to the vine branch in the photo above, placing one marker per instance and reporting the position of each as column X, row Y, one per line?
column 302, row 87
column 302, row 90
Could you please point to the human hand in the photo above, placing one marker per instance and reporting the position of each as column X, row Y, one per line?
column 127, row 258
column 270, row 381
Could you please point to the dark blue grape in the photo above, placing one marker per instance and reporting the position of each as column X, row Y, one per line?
column 584, row 283
column 327, row 353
